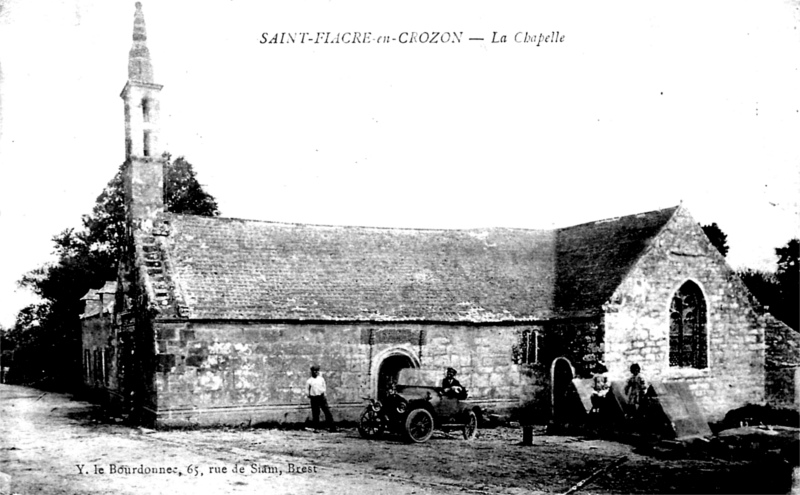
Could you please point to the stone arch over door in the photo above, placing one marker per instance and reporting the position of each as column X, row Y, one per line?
column 561, row 375
column 386, row 367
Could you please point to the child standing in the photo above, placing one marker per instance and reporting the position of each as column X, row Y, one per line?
column 635, row 389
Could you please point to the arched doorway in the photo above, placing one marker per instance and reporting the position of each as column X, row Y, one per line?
column 386, row 368
column 389, row 370
column 561, row 390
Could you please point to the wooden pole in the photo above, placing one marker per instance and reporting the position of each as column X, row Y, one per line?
column 527, row 435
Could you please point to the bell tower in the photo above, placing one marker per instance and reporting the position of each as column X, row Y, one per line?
column 144, row 171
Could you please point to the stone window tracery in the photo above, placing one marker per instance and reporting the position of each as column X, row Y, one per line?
column 528, row 349
column 687, row 328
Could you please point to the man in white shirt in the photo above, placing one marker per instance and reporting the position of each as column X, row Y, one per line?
column 316, row 393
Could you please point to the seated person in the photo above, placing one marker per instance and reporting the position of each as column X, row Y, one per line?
column 451, row 387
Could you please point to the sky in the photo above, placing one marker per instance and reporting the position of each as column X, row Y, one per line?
column 640, row 106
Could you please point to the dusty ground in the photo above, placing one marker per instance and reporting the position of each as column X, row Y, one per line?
column 50, row 443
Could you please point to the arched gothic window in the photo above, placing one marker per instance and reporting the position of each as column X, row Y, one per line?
column 687, row 328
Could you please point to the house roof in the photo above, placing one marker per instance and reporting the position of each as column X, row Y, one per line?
column 221, row 268
column 91, row 295
column 93, row 300
column 110, row 287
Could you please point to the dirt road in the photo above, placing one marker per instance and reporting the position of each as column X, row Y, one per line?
column 50, row 443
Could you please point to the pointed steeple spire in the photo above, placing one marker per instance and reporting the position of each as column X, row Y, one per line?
column 144, row 179
column 140, row 69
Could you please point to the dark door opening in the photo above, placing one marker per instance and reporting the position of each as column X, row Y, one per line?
column 389, row 371
column 563, row 393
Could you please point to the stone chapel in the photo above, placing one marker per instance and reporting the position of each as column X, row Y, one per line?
column 217, row 320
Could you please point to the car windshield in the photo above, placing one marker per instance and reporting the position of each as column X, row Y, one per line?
column 411, row 377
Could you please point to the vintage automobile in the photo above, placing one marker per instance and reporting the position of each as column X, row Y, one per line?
column 414, row 411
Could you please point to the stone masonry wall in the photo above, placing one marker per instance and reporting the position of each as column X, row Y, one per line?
column 238, row 373
column 99, row 364
column 579, row 340
column 782, row 363
column 637, row 320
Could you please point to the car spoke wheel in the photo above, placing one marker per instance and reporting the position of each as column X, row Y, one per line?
column 471, row 426
column 419, row 425
column 370, row 424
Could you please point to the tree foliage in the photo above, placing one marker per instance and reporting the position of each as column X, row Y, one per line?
column 26, row 346
column 183, row 193
column 788, row 269
column 717, row 237
column 788, row 276
column 49, row 333
column 7, row 347
column 763, row 286
column 105, row 227
column 779, row 291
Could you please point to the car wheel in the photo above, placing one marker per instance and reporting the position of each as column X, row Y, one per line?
column 419, row 425
column 370, row 424
column 471, row 426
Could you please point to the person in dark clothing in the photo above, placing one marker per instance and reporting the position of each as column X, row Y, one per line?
column 636, row 392
column 452, row 387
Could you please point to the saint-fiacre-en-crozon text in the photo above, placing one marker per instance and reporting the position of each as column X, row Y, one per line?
column 407, row 37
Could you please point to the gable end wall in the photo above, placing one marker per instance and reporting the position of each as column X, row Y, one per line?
column 637, row 320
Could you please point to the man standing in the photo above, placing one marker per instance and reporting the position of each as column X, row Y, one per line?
column 316, row 393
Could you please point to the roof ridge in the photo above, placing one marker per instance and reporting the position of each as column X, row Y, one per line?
column 418, row 229
column 371, row 227
column 614, row 219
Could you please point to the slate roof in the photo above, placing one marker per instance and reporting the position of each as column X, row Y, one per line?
column 92, row 298
column 593, row 258
column 222, row 268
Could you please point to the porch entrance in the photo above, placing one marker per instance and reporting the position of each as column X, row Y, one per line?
column 389, row 370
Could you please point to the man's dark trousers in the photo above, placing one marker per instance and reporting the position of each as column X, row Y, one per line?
column 320, row 402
